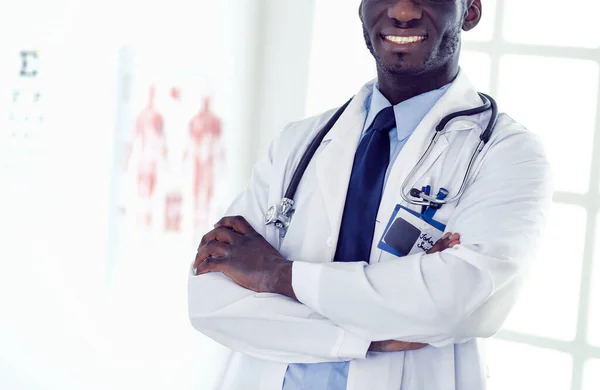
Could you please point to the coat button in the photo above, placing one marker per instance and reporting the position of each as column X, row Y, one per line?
column 330, row 242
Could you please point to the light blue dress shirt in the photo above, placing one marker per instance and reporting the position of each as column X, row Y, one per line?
column 334, row 376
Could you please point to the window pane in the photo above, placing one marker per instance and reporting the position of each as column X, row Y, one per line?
column 591, row 379
column 523, row 367
column 557, row 23
column 478, row 68
column 594, row 308
column 543, row 309
column 485, row 30
column 340, row 61
column 560, row 109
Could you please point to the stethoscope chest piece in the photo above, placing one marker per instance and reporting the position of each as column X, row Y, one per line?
column 280, row 215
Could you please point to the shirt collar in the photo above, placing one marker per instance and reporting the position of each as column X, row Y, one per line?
column 408, row 113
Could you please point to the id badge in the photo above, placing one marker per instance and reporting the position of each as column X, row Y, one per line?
column 409, row 232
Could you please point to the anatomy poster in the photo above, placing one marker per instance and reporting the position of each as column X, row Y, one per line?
column 170, row 146
column 168, row 182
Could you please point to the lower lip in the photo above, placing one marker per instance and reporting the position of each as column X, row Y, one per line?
column 401, row 47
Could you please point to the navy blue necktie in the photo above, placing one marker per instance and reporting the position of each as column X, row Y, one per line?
column 364, row 191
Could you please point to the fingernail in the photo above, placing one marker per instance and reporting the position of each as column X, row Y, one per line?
column 446, row 235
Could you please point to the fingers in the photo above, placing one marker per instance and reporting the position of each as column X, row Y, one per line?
column 404, row 346
column 221, row 234
column 388, row 346
column 449, row 240
column 451, row 237
column 210, row 264
column 226, row 230
column 215, row 245
column 453, row 240
column 395, row 346
column 239, row 224
column 415, row 346
column 213, row 248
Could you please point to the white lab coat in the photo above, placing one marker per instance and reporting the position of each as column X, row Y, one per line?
column 451, row 300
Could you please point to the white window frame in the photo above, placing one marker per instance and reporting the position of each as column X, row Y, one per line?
column 579, row 348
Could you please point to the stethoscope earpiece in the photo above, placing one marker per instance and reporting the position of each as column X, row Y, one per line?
column 435, row 203
column 415, row 193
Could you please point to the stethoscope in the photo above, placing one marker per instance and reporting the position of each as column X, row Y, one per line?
column 281, row 215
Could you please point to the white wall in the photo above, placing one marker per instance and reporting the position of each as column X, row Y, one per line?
column 285, row 56
column 57, row 318
column 314, row 59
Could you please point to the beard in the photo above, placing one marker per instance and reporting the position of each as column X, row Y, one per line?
column 436, row 58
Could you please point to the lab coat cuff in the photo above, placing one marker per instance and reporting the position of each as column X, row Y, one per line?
column 353, row 347
column 305, row 282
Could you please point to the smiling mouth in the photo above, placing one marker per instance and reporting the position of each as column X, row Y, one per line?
column 404, row 40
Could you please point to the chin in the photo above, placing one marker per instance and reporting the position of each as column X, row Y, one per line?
column 402, row 68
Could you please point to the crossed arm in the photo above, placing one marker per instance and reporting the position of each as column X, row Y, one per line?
column 237, row 251
column 243, row 296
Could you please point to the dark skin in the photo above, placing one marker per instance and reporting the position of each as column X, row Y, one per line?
column 405, row 69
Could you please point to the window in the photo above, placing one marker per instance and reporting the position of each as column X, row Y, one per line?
column 548, row 79
column 541, row 60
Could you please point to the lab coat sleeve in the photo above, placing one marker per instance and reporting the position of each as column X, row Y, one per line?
column 266, row 326
column 458, row 294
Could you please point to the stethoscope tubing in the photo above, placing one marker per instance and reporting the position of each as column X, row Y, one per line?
column 424, row 200
column 489, row 104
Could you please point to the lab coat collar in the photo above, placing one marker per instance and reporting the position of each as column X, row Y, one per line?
column 460, row 96
column 408, row 113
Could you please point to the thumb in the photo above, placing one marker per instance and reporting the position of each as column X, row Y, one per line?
column 210, row 264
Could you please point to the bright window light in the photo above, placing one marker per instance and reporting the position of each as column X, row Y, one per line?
column 543, row 309
column 553, row 22
column 522, row 367
column 562, row 110
column 477, row 66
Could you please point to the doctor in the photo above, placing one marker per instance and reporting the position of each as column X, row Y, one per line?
column 328, row 305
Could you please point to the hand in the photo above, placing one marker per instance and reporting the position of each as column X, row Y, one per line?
column 235, row 249
column 449, row 240
column 394, row 346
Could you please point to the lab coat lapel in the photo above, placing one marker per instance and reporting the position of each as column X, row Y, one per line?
column 460, row 96
column 335, row 160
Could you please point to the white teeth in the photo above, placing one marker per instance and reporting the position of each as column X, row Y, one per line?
column 404, row 40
